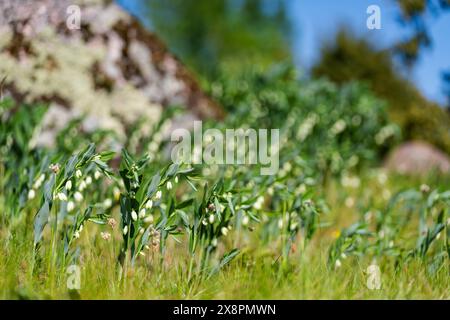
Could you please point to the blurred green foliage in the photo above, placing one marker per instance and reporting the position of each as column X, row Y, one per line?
column 352, row 59
column 207, row 33
column 332, row 128
column 415, row 16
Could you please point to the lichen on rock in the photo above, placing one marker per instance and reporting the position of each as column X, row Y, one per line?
column 111, row 70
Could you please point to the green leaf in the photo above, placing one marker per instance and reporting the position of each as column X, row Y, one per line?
column 40, row 221
column 172, row 170
column 153, row 185
column 185, row 204
column 226, row 259
column 86, row 154
column 107, row 155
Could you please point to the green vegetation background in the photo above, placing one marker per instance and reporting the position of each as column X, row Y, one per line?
column 214, row 37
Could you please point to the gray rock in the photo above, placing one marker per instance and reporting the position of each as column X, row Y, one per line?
column 110, row 69
column 417, row 158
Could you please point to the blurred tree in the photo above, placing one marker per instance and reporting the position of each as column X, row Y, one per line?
column 349, row 58
column 413, row 14
column 205, row 33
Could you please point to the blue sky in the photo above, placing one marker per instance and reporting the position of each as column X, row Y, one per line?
column 317, row 20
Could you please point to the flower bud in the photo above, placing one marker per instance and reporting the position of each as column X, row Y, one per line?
column 134, row 215
column 97, row 175
column 149, row 219
column 55, row 167
column 125, row 230
column 82, row 186
column 149, row 204
column 107, row 203
column 142, row 213
column 338, row 264
column 224, row 231
column 37, row 184
column 424, row 188
column 62, row 196
column 280, row 223
column 31, row 194
column 70, row 206
column 78, row 174
column 169, row 185
column 78, row 196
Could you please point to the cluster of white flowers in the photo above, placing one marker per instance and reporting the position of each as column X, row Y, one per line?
column 349, row 202
column 382, row 177
column 384, row 134
column 61, row 196
column 293, row 219
column 307, row 127
column 37, row 184
column 425, row 188
column 350, row 181
column 338, row 127
column 77, row 233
